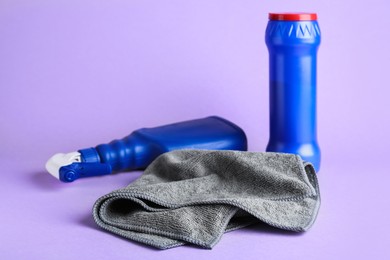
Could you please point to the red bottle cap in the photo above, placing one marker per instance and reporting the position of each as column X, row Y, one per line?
column 292, row 16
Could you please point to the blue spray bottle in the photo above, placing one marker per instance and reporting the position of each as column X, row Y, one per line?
column 293, row 40
column 141, row 147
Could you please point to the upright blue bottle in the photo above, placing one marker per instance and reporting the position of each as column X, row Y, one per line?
column 293, row 41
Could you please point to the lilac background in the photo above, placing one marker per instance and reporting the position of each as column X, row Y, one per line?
column 75, row 73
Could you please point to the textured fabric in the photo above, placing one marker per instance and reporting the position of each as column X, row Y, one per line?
column 194, row 196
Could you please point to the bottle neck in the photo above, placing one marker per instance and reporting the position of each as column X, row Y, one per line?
column 130, row 153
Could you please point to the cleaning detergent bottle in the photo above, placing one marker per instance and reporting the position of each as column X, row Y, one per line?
column 293, row 40
column 141, row 147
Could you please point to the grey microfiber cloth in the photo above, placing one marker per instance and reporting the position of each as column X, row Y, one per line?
column 194, row 196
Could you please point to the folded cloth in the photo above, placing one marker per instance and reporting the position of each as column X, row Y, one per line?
column 194, row 196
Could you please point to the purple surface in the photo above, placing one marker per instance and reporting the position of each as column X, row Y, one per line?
column 157, row 62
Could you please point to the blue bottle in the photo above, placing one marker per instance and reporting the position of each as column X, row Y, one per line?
column 293, row 41
column 141, row 147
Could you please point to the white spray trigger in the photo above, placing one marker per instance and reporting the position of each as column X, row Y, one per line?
column 58, row 160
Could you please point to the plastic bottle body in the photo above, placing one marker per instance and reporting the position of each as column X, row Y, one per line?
column 292, row 47
column 141, row 147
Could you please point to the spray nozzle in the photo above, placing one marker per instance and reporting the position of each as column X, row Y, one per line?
column 59, row 160
column 69, row 167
